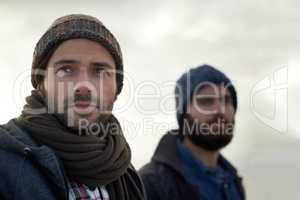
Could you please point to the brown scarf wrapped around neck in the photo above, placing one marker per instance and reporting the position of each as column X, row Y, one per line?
column 89, row 159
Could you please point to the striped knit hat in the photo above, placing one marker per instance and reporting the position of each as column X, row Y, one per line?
column 71, row 27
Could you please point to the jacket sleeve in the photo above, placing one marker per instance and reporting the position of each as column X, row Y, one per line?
column 8, row 173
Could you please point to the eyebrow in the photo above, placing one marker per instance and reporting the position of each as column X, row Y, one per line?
column 71, row 61
column 203, row 96
column 66, row 61
column 102, row 64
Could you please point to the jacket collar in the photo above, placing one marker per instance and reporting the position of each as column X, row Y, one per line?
column 166, row 153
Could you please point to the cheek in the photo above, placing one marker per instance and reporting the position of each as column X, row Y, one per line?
column 50, row 84
column 109, row 94
column 199, row 116
column 107, row 89
column 230, row 113
column 58, row 93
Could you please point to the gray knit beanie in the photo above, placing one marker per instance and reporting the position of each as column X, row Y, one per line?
column 71, row 27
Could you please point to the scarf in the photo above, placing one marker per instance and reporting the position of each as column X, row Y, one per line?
column 90, row 159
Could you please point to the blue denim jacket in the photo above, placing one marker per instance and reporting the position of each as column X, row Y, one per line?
column 213, row 184
column 26, row 170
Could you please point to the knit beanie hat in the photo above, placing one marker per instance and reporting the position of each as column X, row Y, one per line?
column 191, row 80
column 72, row 27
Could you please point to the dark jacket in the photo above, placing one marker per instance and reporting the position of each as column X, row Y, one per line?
column 163, row 177
column 28, row 171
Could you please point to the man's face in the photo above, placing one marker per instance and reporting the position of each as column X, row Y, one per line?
column 80, row 82
column 210, row 117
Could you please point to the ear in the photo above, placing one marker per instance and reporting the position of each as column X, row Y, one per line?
column 41, row 87
column 116, row 97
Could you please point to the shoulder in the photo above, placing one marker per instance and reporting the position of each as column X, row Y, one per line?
column 151, row 182
column 159, row 180
column 12, row 147
column 13, row 142
column 17, row 166
column 12, row 156
column 21, row 167
column 157, row 170
column 136, row 180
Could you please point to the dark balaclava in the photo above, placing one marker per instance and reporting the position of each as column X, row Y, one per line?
column 185, row 88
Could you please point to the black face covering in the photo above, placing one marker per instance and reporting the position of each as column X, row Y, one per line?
column 205, row 137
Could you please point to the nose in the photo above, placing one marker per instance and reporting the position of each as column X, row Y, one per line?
column 83, row 75
column 83, row 90
column 220, row 107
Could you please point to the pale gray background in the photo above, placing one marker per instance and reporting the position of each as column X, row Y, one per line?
column 248, row 40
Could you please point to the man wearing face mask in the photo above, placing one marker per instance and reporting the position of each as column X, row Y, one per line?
column 67, row 144
column 187, row 163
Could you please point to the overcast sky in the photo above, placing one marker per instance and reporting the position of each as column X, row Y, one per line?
column 256, row 43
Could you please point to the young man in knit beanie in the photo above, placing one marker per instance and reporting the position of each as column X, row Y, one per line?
column 187, row 163
column 67, row 144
